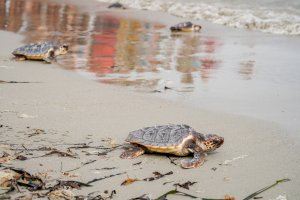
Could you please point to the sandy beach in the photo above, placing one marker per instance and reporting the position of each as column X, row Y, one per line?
column 72, row 110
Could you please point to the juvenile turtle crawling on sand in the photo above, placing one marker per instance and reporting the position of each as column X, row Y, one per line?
column 180, row 140
column 185, row 27
column 46, row 51
column 117, row 5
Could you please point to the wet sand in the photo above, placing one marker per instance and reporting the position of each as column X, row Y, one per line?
column 72, row 109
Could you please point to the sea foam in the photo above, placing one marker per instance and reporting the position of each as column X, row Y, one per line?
column 276, row 21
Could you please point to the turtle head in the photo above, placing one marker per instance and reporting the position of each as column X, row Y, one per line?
column 62, row 49
column 212, row 142
column 197, row 28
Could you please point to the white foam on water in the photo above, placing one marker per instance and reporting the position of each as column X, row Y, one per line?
column 266, row 19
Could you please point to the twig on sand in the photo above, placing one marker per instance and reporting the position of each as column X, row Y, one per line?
column 266, row 188
column 105, row 177
column 172, row 160
column 164, row 196
column 83, row 164
column 1, row 81
column 253, row 195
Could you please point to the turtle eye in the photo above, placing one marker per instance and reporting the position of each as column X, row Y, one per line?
column 66, row 47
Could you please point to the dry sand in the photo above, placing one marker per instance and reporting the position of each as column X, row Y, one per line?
column 72, row 109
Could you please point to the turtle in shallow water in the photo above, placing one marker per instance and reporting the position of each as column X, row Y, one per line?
column 179, row 140
column 117, row 5
column 46, row 51
column 185, row 27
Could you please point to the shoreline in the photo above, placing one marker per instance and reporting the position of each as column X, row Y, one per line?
column 72, row 109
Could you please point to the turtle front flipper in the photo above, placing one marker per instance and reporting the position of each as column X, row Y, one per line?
column 19, row 58
column 132, row 152
column 196, row 161
column 50, row 56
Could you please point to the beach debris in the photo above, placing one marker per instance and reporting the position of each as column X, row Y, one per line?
column 175, row 191
column 21, row 157
column 266, row 188
column 60, row 153
column 117, row 5
column 226, row 197
column 98, row 195
column 27, row 116
column 1, row 81
column 107, row 168
column 37, row 131
column 163, row 85
column 227, row 162
column 68, row 174
column 214, row 168
column 157, row 175
column 185, row 185
column 138, row 163
column 105, row 177
column 60, row 194
column 9, row 176
column 82, row 164
column 69, row 184
column 172, row 160
column 142, row 197
column 5, row 158
column 167, row 182
column 129, row 181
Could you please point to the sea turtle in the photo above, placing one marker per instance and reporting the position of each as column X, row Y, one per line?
column 185, row 27
column 179, row 140
column 46, row 51
column 117, row 5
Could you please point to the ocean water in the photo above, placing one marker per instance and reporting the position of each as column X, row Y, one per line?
column 270, row 16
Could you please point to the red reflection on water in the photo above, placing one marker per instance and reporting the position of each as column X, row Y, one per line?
column 101, row 40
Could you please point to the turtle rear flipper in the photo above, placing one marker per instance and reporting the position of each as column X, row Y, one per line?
column 133, row 152
column 19, row 58
column 196, row 161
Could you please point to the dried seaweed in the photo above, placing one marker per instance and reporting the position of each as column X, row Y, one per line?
column 266, row 188
column 83, row 164
column 167, row 182
column 164, row 196
column 68, row 184
column 60, row 153
column 96, row 196
column 172, row 160
column 226, row 197
column 1, row 81
column 138, row 163
column 185, row 185
column 37, row 132
column 23, row 178
column 142, row 197
column 157, row 175
column 105, row 177
column 21, row 157
column 129, row 181
column 107, row 168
